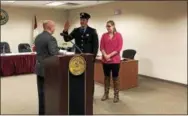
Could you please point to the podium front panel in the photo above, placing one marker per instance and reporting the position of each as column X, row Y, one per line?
column 66, row 93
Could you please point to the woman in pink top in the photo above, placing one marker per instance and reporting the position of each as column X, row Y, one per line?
column 110, row 46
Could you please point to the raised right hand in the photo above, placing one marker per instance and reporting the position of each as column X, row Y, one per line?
column 66, row 26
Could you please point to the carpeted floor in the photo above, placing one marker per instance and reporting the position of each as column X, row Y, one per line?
column 19, row 96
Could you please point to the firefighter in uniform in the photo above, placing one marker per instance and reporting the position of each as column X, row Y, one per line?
column 86, row 38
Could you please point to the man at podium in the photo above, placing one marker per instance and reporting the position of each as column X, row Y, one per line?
column 46, row 46
column 86, row 38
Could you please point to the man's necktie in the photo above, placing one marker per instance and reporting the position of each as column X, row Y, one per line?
column 82, row 30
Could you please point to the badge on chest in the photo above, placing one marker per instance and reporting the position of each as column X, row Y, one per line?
column 85, row 35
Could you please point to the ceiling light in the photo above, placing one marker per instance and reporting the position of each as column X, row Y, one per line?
column 55, row 3
column 8, row 1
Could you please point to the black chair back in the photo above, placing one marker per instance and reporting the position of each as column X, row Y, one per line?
column 24, row 47
column 4, row 47
column 70, row 49
column 129, row 53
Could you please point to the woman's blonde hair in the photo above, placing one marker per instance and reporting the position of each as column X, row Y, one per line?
column 113, row 24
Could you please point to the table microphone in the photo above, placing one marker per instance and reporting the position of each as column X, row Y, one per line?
column 77, row 47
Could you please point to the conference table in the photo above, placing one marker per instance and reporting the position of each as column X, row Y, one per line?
column 17, row 63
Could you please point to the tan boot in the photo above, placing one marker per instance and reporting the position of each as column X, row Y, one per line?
column 116, row 89
column 106, row 88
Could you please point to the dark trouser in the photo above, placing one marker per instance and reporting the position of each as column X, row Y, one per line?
column 108, row 68
column 93, row 90
column 40, row 86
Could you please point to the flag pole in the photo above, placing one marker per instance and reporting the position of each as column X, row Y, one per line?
column 34, row 26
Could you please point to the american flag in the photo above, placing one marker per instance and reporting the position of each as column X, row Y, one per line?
column 35, row 31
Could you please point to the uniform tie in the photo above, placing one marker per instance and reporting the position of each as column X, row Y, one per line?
column 82, row 30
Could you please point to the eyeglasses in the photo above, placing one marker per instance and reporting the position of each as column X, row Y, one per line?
column 108, row 26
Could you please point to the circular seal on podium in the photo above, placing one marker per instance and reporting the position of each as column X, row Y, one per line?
column 4, row 17
column 77, row 65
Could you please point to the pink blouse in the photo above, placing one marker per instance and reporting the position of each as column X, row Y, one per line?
column 111, row 45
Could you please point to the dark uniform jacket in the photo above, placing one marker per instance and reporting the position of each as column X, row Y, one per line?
column 87, row 41
column 46, row 46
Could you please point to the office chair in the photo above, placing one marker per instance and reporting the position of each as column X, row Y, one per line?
column 24, row 47
column 129, row 54
column 4, row 47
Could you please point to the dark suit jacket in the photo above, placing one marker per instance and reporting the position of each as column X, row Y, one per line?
column 46, row 46
column 87, row 42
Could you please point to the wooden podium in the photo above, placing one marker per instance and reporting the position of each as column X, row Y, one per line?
column 66, row 93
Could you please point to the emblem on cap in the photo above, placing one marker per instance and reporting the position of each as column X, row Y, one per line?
column 82, row 14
